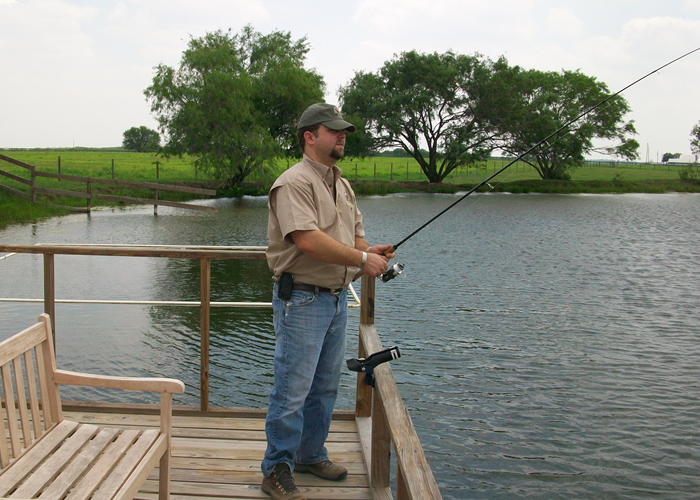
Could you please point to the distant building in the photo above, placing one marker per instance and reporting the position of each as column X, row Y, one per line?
column 684, row 159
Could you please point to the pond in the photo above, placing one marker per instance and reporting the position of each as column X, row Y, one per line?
column 549, row 343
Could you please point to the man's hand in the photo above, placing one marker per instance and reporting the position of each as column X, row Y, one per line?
column 385, row 250
column 376, row 264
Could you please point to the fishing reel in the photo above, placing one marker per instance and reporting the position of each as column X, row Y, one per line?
column 392, row 272
column 368, row 364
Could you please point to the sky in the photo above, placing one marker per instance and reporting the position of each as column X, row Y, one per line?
column 73, row 72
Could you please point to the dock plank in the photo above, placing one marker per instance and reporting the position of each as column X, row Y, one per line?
column 219, row 457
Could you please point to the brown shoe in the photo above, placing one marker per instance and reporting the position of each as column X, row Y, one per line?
column 325, row 470
column 280, row 484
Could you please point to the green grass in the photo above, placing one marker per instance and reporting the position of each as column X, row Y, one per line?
column 370, row 176
column 15, row 210
column 140, row 167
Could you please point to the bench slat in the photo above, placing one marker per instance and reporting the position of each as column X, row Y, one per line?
column 79, row 465
column 132, row 486
column 34, row 456
column 56, row 462
column 21, row 342
column 22, row 401
column 44, row 389
column 126, row 465
column 88, row 484
column 10, row 410
column 33, row 399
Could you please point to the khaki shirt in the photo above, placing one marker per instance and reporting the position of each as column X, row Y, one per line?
column 302, row 199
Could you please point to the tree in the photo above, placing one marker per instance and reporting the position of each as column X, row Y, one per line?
column 141, row 139
column 670, row 156
column 433, row 101
column 542, row 102
column 695, row 139
column 234, row 100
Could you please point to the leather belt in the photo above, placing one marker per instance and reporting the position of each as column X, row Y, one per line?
column 316, row 289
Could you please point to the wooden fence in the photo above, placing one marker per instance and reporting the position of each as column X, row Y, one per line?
column 89, row 195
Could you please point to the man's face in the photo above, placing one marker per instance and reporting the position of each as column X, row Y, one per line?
column 328, row 144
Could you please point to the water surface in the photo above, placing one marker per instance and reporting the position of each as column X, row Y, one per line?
column 550, row 343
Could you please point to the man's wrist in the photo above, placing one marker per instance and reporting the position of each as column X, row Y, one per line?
column 364, row 260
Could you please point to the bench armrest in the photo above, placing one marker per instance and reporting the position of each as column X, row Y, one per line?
column 161, row 385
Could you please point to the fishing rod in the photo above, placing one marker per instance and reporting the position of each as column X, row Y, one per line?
column 398, row 268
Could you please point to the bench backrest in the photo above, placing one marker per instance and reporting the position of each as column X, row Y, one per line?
column 30, row 396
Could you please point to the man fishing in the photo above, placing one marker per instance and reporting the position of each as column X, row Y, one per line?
column 317, row 247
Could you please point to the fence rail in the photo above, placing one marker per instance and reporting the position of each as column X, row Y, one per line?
column 89, row 195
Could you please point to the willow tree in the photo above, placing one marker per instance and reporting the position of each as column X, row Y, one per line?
column 542, row 102
column 233, row 101
column 442, row 103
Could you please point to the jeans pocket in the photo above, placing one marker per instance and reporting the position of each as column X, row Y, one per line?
column 301, row 299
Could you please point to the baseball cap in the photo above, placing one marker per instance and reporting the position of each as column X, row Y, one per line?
column 326, row 114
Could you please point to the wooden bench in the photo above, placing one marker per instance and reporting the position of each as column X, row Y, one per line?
column 45, row 456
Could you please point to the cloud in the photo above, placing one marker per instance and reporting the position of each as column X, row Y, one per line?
column 564, row 22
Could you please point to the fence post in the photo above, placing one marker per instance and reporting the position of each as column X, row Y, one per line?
column 355, row 171
column 375, row 170
column 113, row 169
column 157, row 170
column 195, row 171
column 89, row 197
column 59, row 168
column 391, row 176
column 155, row 202
column 32, row 187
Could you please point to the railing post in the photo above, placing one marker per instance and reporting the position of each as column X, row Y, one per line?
column 380, row 475
column 50, row 292
column 367, row 300
column 205, row 292
column 363, row 392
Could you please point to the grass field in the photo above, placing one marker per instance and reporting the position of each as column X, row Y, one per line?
column 148, row 167
column 379, row 175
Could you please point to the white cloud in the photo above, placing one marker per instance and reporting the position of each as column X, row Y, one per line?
column 564, row 22
column 78, row 69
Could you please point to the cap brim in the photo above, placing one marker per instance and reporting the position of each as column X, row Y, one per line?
column 340, row 125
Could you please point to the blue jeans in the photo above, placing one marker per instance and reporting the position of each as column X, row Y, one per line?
column 310, row 330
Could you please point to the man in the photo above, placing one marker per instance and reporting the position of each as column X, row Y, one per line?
column 316, row 248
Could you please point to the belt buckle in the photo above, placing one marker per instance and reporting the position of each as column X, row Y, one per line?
column 335, row 291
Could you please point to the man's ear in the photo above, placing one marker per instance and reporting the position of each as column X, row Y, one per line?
column 309, row 137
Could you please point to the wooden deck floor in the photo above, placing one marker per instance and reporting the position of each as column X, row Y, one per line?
column 218, row 455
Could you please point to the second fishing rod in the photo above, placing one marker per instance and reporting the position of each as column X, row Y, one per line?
column 397, row 269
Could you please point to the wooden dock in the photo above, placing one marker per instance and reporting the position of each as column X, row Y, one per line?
column 217, row 454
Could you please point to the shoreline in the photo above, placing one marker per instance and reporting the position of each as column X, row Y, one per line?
column 14, row 210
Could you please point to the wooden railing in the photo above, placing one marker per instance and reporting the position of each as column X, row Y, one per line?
column 383, row 420
column 381, row 416
column 205, row 257
column 89, row 195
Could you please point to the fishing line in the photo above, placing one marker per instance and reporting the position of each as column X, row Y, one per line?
column 522, row 155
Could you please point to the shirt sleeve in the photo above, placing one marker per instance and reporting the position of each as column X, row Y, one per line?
column 294, row 208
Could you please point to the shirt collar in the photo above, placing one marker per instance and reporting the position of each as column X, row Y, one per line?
column 323, row 170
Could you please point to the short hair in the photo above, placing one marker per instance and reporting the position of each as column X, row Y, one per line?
column 300, row 135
